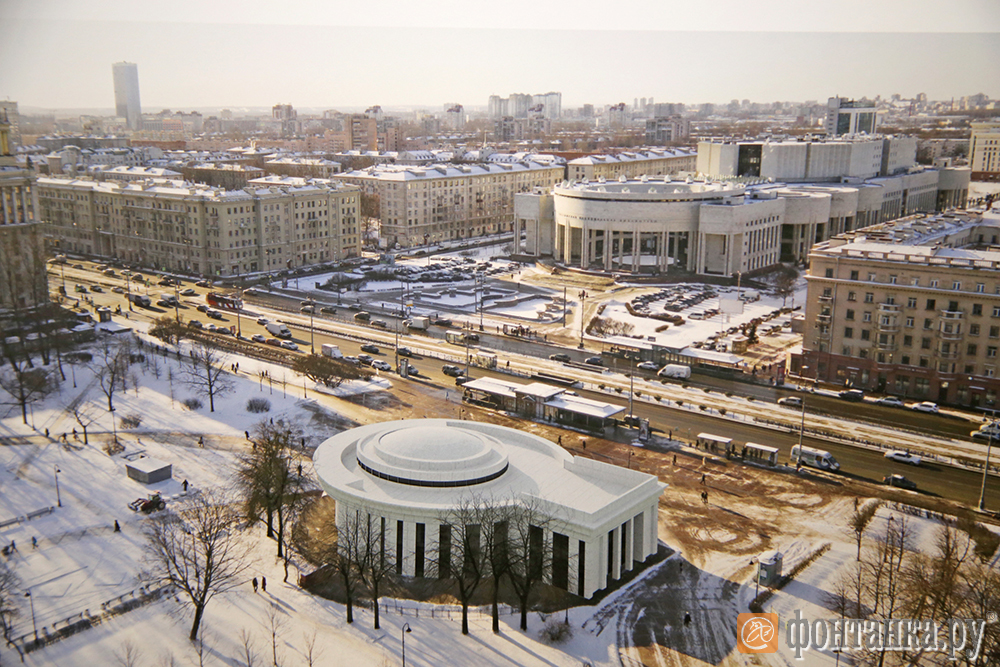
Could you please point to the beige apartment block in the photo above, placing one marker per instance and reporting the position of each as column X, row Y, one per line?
column 273, row 224
column 442, row 202
column 910, row 308
column 984, row 151
column 655, row 162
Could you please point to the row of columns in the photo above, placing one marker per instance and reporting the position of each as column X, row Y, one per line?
column 15, row 203
column 665, row 242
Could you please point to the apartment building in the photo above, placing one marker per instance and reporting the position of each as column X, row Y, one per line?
column 984, row 151
column 23, row 279
column 910, row 308
column 274, row 223
column 632, row 164
column 436, row 203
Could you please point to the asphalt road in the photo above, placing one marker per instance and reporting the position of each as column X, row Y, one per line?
column 856, row 463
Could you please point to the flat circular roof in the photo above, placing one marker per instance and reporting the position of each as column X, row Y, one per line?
column 419, row 453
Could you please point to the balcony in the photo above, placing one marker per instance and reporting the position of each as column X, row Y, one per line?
column 952, row 315
column 889, row 308
column 955, row 333
column 953, row 354
column 891, row 325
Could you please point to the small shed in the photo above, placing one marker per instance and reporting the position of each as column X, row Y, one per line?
column 769, row 568
column 148, row 470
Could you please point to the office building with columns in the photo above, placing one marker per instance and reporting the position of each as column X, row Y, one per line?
column 23, row 278
column 412, row 475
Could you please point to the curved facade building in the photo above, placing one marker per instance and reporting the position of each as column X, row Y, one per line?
column 412, row 474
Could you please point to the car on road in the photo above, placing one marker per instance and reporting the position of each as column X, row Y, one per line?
column 289, row 345
column 164, row 282
column 258, row 338
column 79, row 266
column 899, row 482
column 404, row 352
column 249, row 292
column 371, row 349
column 891, row 402
column 211, row 327
column 354, row 306
column 307, row 309
column 852, row 395
column 462, row 379
column 648, row 366
column 214, row 314
column 126, row 272
column 987, row 431
column 96, row 288
column 790, row 401
column 381, row 365
column 453, row 371
column 273, row 341
column 202, row 308
column 166, row 304
column 200, row 283
column 118, row 290
column 381, row 324
column 190, row 291
column 137, row 276
column 560, row 356
column 366, row 359
column 195, row 324
column 80, row 288
column 108, row 272
column 329, row 310
column 225, row 331
column 471, row 337
column 262, row 321
column 352, row 360
column 903, row 457
column 925, row 406
column 593, row 361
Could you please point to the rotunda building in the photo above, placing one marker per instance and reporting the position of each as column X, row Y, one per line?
column 411, row 476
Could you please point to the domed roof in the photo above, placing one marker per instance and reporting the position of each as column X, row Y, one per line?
column 441, row 454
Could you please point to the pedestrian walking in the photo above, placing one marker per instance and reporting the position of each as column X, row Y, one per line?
column 702, row 478
column 118, row 528
column 263, row 584
column 247, row 434
column 584, row 443
column 201, row 442
column 675, row 459
column 560, row 440
column 185, row 485
column 34, row 542
column 46, row 433
column 254, row 582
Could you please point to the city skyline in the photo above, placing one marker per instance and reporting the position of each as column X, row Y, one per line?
column 340, row 59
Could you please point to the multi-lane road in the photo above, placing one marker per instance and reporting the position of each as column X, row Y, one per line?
column 860, row 463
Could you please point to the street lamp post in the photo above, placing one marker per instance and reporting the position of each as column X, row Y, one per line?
column 986, row 468
column 312, row 332
column 56, row 475
column 402, row 633
column 34, row 626
column 114, row 428
column 177, row 304
column 482, row 287
column 583, row 302
column 239, row 307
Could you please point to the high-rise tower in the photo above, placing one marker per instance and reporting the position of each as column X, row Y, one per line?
column 127, row 104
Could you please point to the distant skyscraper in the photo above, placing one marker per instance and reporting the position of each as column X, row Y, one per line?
column 10, row 108
column 127, row 104
column 845, row 116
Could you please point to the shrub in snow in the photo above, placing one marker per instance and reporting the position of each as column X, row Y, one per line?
column 258, row 405
column 555, row 631
column 702, row 407
column 131, row 421
column 192, row 403
column 722, row 411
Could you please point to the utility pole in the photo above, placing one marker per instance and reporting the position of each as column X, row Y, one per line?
column 583, row 303
column 986, row 468
column 564, row 306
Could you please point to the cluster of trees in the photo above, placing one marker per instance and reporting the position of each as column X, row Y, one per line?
column 891, row 580
column 327, row 370
column 482, row 542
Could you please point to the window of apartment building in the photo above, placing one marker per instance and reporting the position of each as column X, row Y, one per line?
column 905, row 360
column 988, row 372
column 915, row 282
column 971, row 349
column 980, row 287
column 866, row 317
column 973, row 329
column 892, row 280
column 829, row 273
column 930, row 304
column 956, row 285
column 953, row 306
column 863, row 353
column 890, row 300
column 866, row 334
column 848, row 332
column 849, row 315
column 908, row 341
column 851, row 296
column 911, row 302
column 869, row 297
column 846, row 351
column 909, row 322
column 854, row 275
column 925, row 343
column 934, row 284
column 924, row 362
column 827, row 291
column 871, row 277
column 977, row 309
column 991, row 351
column 970, row 369
column 928, row 324
column 994, row 332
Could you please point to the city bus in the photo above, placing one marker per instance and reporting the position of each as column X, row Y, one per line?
column 224, row 301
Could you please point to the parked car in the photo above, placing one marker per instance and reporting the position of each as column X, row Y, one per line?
column 137, row 276
column 258, row 338
column 366, row 359
column 273, row 341
column 289, row 345
column 648, row 366
column 852, row 395
column 352, row 360
column 593, row 361
column 900, row 482
column 404, row 352
column 371, row 349
column 903, row 457
column 190, row 291
column 118, row 290
column 453, row 371
column 195, row 324
column 560, row 356
column 225, row 331
column 891, row 402
column 381, row 365
column 462, row 379
column 211, row 326
column 96, row 288
column 166, row 304
column 790, row 401
column 925, row 406
column 200, row 283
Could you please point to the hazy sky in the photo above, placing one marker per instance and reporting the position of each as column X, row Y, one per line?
column 209, row 53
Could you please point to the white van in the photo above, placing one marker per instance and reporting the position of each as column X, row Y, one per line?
column 815, row 458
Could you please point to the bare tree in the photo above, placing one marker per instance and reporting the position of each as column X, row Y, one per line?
column 10, row 586
column 369, row 557
column 84, row 413
column 341, row 554
column 207, row 375
column 329, row 372
column 128, row 654
column 466, row 541
column 274, row 624
column 110, row 366
column 529, row 557
column 248, row 652
column 309, row 649
column 784, row 282
column 197, row 551
column 27, row 385
column 859, row 521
